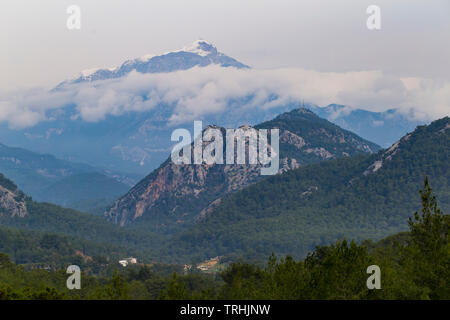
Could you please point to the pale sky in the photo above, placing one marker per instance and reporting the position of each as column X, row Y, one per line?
column 37, row 49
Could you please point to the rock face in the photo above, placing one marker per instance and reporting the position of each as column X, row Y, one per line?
column 12, row 201
column 176, row 195
column 386, row 156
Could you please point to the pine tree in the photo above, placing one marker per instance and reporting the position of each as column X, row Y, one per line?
column 175, row 290
column 117, row 288
column 430, row 250
column 429, row 231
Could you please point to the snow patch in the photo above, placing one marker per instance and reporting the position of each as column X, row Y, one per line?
column 89, row 72
column 145, row 58
column 201, row 47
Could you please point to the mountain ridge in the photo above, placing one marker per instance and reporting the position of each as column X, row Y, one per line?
column 42, row 176
column 319, row 203
column 178, row 193
column 200, row 53
column 136, row 141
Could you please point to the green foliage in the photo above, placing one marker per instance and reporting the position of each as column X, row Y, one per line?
column 317, row 204
column 431, row 248
column 413, row 265
column 117, row 288
column 429, row 231
column 175, row 290
column 338, row 271
column 34, row 249
column 49, row 218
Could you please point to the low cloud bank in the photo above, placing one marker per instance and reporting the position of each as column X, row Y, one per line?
column 201, row 91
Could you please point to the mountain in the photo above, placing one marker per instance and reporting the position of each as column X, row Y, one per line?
column 47, row 178
column 380, row 127
column 44, row 234
column 175, row 196
column 362, row 197
column 33, row 171
column 20, row 212
column 200, row 53
column 134, row 142
column 84, row 191
column 134, row 138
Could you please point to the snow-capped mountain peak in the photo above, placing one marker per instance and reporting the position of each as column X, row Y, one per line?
column 89, row 72
column 201, row 47
column 200, row 53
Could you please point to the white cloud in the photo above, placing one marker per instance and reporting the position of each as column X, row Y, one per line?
column 25, row 108
column 201, row 91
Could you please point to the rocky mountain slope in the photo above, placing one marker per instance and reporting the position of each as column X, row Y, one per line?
column 174, row 196
column 12, row 201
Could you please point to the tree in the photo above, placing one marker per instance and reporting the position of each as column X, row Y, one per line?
column 338, row 271
column 175, row 290
column 429, row 230
column 430, row 250
column 5, row 262
column 117, row 289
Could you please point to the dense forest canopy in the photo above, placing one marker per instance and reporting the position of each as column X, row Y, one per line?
column 414, row 265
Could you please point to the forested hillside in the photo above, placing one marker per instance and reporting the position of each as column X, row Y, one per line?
column 20, row 212
column 363, row 197
column 50, row 251
column 413, row 265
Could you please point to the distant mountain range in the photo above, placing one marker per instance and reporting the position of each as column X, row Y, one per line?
column 62, row 182
column 381, row 127
column 367, row 195
column 138, row 142
column 174, row 196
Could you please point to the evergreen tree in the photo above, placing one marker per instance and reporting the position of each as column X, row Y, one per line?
column 430, row 251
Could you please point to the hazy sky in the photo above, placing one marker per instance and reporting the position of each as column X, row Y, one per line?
column 37, row 48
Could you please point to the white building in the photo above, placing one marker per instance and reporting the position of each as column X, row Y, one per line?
column 127, row 261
